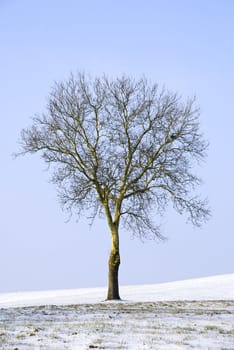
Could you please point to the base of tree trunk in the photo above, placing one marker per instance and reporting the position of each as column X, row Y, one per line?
column 113, row 283
column 110, row 298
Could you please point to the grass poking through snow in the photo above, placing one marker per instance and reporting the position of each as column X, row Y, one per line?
column 155, row 325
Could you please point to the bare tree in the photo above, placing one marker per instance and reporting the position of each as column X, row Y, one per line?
column 120, row 149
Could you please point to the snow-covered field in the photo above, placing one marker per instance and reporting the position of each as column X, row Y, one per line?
column 192, row 314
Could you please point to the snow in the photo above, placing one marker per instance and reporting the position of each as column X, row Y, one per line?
column 191, row 314
column 219, row 287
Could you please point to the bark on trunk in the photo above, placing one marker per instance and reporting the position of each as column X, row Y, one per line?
column 113, row 282
column 114, row 262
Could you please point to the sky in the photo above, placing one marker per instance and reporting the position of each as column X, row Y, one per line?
column 186, row 46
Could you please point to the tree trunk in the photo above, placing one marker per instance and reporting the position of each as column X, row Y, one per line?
column 114, row 262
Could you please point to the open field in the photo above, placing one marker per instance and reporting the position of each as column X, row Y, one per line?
column 155, row 325
column 192, row 314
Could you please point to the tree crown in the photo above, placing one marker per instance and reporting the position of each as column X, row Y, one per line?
column 121, row 147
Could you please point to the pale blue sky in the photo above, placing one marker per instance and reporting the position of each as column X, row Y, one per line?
column 186, row 45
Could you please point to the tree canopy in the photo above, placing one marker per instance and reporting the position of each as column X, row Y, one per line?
column 121, row 140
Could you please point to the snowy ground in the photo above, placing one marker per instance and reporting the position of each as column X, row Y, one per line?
column 194, row 314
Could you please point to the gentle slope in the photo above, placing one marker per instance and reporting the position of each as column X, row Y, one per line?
column 209, row 288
